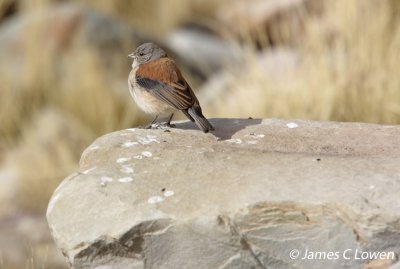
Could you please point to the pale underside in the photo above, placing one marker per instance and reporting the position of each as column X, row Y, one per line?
column 145, row 100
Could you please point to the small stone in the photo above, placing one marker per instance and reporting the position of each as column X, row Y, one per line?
column 147, row 154
column 168, row 193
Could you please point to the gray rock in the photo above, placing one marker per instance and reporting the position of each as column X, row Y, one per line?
column 247, row 196
column 204, row 52
column 250, row 18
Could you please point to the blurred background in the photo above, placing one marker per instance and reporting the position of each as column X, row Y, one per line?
column 64, row 69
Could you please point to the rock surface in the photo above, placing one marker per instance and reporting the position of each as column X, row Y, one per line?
column 247, row 196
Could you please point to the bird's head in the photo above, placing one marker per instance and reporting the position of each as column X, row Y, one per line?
column 145, row 53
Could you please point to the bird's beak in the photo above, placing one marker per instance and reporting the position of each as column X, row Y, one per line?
column 131, row 56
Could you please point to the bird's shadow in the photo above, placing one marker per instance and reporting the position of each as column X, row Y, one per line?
column 224, row 128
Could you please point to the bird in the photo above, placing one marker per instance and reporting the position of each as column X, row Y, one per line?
column 158, row 87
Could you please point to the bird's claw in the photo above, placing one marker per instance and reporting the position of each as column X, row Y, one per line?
column 159, row 125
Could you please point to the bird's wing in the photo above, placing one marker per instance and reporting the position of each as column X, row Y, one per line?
column 162, row 79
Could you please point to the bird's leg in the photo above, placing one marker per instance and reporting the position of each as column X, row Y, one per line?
column 148, row 126
column 154, row 119
column 169, row 121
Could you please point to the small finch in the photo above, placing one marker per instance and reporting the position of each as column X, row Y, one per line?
column 159, row 89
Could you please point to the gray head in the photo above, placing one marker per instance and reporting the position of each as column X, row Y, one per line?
column 147, row 52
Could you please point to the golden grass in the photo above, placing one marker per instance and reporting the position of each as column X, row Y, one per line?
column 348, row 60
column 354, row 71
column 52, row 108
column 157, row 17
column 43, row 158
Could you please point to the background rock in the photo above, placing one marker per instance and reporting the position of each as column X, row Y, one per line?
column 279, row 21
column 242, row 197
column 203, row 50
column 69, row 31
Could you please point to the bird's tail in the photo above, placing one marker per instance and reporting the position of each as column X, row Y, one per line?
column 196, row 113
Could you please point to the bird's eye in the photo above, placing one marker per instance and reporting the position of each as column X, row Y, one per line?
column 141, row 53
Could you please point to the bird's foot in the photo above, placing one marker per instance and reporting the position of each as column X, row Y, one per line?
column 158, row 125
column 148, row 126
column 163, row 125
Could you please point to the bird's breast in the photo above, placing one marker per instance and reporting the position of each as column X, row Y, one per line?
column 145, row 100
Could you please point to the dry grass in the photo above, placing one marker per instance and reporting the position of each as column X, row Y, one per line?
column 353, row 71
column 52, row 108
column 158, row 17
column 347, row 65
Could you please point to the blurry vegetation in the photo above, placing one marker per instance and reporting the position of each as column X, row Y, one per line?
column 349, row 62
column 353, row 65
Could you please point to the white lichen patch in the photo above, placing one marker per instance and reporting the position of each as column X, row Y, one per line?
column 123, row 159
column 125, row 179
column 235, row 140
column 147, row 154
column 127, row 169
column 148, row 139
column 139, row 157
column 260, row 135
column 252, row 142
column 106, row 179
column 292, row 125
column 87, row 171
column 155, row 199
column 94, row 147
column 168, row 193
column 128, row 144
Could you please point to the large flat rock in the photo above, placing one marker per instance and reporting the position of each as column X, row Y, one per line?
column 249, row 195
